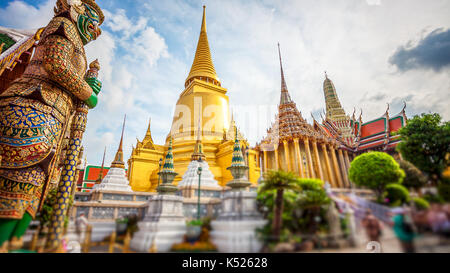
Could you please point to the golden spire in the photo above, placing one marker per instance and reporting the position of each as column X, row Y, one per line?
column 148, row 134
column 203, row 67
column 100, row 175
column 285, row 97
column 118, row 159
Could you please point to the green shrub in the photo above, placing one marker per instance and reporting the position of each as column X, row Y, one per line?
column 195, row 223
column 310, row 184
column 375, row 170
column 421, row 204
column 396, row 194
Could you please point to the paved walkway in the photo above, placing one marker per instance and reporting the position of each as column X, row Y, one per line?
column 390, row 244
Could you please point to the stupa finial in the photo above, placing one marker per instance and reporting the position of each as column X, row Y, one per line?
column 118, row 159
column 168, row 173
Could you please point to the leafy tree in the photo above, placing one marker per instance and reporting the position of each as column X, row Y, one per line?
column 375, row 170
column 312, row 194
column 279, row 181
column 266, row 203
column 396, row 194
column 310, row 200
column 425, row 143
column 414, row 179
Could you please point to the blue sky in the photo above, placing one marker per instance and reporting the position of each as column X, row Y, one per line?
column 375, row 51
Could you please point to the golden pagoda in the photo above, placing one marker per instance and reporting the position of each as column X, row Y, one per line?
column 203, row 101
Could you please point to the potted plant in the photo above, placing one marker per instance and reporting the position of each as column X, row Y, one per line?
column 121, row 225
column 194, row 229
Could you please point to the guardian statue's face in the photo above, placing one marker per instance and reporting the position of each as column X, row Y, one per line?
column 88, row 24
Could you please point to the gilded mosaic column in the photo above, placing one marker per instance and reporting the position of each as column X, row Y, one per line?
column 309, row 159
column 343, row 168
column 286, row 156
column 67, row 177
column 299, row 157
column 265, row 160
column 276, row 157
column 336, row 167
column 319, row 165
column 327, row 163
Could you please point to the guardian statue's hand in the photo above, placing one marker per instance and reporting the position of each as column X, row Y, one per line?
column 95, row 84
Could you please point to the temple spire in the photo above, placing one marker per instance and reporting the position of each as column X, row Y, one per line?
column 118, row 159
column 168, row 160
column 285, row 97
column 238, row 157
column 198, row 149
column 148, row 133
column 203, row 67
column 333, row 105
column 100, row 175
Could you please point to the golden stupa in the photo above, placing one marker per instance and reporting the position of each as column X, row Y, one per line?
column 203, row 91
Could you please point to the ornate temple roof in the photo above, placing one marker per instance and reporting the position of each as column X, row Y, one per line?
column 379, row 132
column 203, row 67
column 289, row 122
column 16, row 49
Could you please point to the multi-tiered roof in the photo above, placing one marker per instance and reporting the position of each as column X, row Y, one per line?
column 289, row 123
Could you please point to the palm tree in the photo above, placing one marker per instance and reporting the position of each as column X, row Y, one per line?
column 279, row 181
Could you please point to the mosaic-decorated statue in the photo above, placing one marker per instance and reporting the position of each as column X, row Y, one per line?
column 39, row 107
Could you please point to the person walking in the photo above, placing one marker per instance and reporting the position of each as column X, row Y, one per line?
column 404, row 229
column 80, row 225
column 372, row 226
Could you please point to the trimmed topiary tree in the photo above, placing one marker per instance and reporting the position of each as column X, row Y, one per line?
column 396, row 194
column 421, row 204
column 375, row 170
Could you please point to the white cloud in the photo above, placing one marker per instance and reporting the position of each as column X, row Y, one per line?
column 148, row 45
column 20, row 15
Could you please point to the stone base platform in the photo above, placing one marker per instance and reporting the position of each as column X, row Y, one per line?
column 163, row 225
